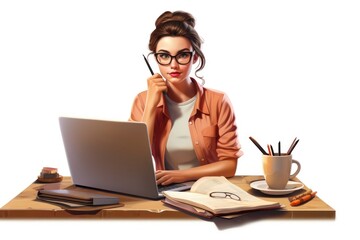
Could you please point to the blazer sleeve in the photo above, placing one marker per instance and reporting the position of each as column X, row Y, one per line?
column 228, row 146
column 138, row 106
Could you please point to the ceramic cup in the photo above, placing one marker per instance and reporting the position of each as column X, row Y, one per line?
column 277, row 170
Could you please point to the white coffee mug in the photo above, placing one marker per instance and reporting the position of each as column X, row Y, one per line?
column 277, row 170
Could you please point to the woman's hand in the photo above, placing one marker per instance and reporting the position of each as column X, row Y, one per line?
column 156, row 86
column 226, row 168
column 165, row 177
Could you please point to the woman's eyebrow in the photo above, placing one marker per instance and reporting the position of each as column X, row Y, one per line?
column 182, row 50
column 162, row 50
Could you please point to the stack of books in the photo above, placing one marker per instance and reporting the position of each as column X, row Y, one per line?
column 70, row 198
column 49, row 175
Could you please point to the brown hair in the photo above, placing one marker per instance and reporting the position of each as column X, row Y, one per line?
column 178, row 24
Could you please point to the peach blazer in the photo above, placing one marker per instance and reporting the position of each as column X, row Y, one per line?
column 212, row 127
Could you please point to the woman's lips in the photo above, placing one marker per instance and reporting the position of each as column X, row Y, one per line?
column 174, row 74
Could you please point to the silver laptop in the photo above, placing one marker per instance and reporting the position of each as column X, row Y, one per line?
column 112, row 156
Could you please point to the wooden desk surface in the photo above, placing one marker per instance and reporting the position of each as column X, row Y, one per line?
column 25, row 206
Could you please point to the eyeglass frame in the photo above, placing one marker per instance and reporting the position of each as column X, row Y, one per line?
column 227, row 195
column 173, row 57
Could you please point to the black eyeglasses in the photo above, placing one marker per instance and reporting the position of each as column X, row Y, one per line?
column 181, row 58
column 230, row 195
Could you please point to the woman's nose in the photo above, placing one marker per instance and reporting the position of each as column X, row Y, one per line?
column 174, row 64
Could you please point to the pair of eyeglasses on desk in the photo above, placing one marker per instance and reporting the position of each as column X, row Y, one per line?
column 229, row 195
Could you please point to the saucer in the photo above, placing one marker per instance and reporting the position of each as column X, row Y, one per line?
column 264, row 188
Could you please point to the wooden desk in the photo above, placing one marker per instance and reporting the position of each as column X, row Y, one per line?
column 24, row 205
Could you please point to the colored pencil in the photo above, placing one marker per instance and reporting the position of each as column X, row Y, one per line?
column 290, row 150
column 258, row 145
column 291, row 146
column 272, row 150
column 279, row 148
column 269, row 149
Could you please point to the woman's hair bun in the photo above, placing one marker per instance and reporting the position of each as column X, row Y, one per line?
column 177, row 16
column 178, row 24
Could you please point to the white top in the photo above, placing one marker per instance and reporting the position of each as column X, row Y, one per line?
column 180, row 152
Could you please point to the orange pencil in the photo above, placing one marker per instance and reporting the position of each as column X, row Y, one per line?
column 303, row 199
column 269, row 149
column 309, row 191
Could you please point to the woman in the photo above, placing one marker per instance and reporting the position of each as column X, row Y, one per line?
column 192, row 129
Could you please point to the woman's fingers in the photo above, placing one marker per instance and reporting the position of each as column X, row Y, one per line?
column 156, row 81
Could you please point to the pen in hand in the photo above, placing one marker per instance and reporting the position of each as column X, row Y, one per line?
column 147, row 63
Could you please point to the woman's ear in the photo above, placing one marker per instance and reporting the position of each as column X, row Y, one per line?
column 195, row 58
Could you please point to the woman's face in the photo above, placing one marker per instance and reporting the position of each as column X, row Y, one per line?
column 175, row 46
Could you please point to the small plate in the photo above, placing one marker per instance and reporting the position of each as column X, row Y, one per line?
column 263, row 187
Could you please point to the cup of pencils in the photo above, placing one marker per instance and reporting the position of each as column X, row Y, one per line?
column 277, row 166
column 277, row 170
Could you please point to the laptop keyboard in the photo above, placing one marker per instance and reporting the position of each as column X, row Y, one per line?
column 170, row 187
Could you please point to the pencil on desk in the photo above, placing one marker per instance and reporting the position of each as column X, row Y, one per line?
column 303, row 199
column 307, row 192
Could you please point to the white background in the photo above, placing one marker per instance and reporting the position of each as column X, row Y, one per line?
column 290, row 68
